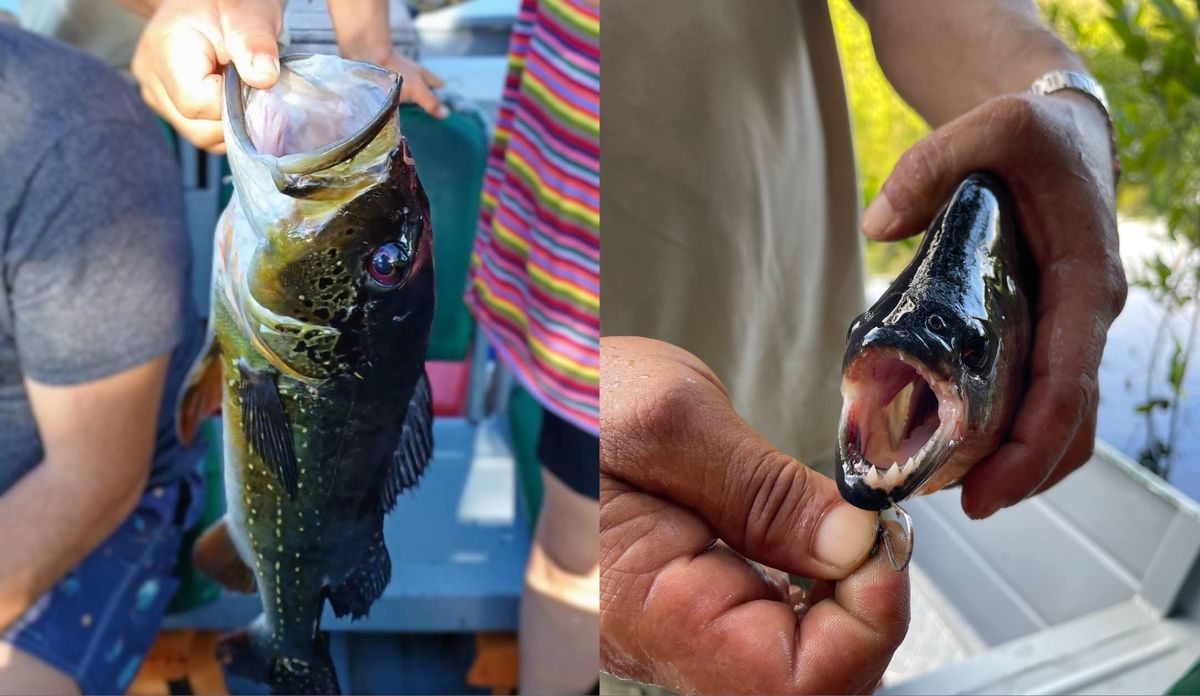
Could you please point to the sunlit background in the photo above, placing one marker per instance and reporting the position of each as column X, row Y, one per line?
column 1145, row 54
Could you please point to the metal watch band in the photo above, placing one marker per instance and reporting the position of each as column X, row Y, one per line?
column 1057, row 80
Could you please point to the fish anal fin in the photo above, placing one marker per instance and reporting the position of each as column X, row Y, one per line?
column 201, row 394
column 265, row 424
column 413, row 452
column 215, row 556
column 359, row 590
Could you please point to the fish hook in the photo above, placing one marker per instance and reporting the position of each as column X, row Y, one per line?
column 896, row 533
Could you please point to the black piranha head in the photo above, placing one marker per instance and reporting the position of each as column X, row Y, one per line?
column 334, row 272
column 930, row 366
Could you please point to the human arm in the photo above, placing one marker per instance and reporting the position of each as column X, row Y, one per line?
column 678, row 471
column 966, row 66
column 97, row 439
column 364, row 33
column 96, row 276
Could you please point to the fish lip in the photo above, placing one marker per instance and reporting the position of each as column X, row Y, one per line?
column 286, row 169
column 852, row 467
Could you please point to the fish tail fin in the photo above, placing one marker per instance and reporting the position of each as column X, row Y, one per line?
column 313, row 673
column 247, row 654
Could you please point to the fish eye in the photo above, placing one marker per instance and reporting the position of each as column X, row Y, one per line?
column 386, row 265
column 936, row 323
column 974, row 352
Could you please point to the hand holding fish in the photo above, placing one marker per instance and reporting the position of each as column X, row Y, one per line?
column 180, row 58
column 1054, row 154
column 680, row 470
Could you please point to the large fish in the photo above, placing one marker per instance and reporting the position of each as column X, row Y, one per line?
column 322, row 301
column 934, row 370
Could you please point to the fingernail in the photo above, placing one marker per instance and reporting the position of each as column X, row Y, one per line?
column 443, row 111
column 846, row 536
column 878, row 217
column 987, row 511
column 265, row 65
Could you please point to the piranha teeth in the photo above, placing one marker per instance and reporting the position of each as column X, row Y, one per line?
column 873, row 478
column 893, row 477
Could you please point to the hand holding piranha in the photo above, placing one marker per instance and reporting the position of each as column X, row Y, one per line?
column 933, row 371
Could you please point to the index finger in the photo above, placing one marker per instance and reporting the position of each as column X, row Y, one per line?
column 1069, row 338
column 188, row 72
column 670, row 430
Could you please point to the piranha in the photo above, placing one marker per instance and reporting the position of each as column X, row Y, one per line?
column 933, row 371
column 322, row 302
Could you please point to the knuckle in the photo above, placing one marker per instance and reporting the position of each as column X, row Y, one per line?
column 1075, row 399
column 1084, row 454
column 187, row 104
column 1118, row 288
column 918, row 165
column 1019, row 112
column 777, row 490
column 653, row 417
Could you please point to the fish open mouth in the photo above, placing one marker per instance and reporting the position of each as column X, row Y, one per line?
column 899, row 422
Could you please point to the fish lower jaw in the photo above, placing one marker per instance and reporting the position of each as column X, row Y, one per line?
column 887, row 478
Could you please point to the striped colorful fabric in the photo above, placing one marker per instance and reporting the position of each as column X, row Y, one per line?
column 535, row 271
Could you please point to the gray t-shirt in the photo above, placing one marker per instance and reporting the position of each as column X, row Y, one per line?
column 93, row 251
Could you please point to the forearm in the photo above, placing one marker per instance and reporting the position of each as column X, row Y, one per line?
column 363, row 29
column 945, row 57
column 54, row 517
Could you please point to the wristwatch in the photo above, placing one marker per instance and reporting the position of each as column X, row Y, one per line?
column 1057, row 80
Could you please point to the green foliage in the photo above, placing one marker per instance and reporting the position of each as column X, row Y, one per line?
column 884, row 126
column 1145, row 54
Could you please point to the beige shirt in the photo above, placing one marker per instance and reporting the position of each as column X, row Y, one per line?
column 730, row 201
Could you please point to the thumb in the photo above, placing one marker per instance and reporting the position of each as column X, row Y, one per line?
column 670, row 430
column 250, row 29
column 928, row 172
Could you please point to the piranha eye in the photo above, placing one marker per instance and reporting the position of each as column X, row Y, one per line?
column 386, row 265
column 974, row 352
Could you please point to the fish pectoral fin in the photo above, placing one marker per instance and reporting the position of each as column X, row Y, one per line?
column 415, row 448
column 359, row 590
column 265, row 424
column 215, row 555
column 201, row 393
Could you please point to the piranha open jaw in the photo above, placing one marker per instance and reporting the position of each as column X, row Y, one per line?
column 900, row 421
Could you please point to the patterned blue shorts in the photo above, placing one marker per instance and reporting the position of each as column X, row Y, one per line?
column 98, row 622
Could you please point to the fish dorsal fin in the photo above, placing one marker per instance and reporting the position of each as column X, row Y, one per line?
column 215, row 555
column 415, row 447
column 200, row 396
column 265, row 424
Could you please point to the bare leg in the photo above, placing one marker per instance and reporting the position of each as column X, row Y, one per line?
column 560, row 607
column 22, row 673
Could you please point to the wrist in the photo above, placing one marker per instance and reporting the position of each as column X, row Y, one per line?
column 1089, row 105
column 376, row 55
